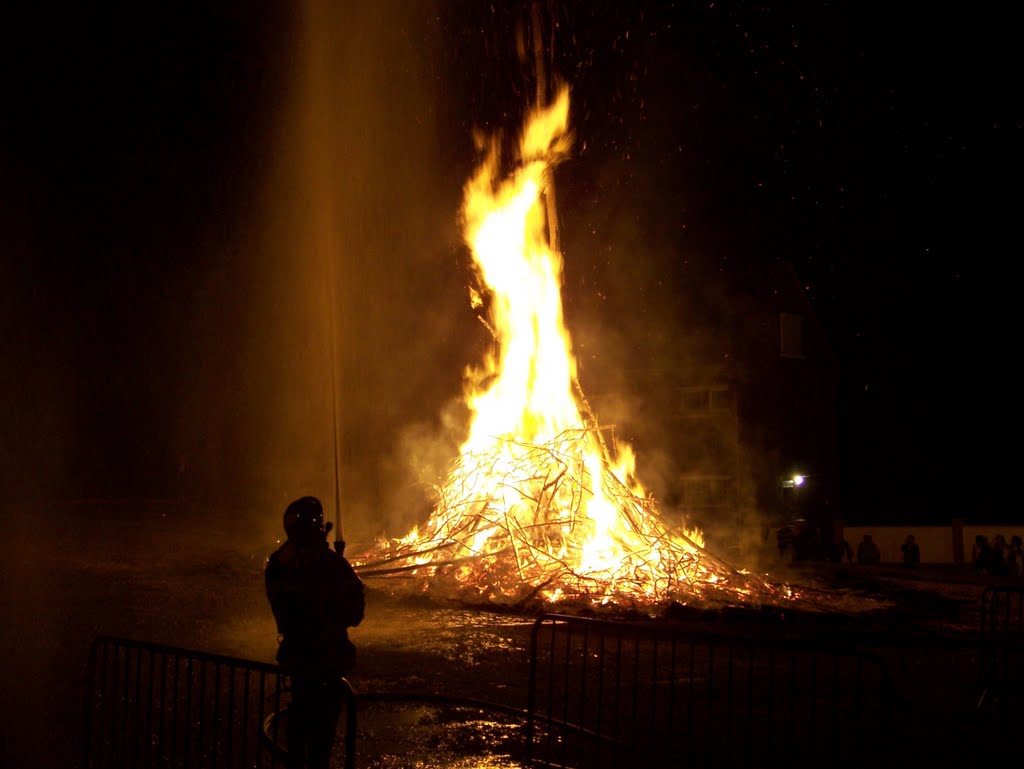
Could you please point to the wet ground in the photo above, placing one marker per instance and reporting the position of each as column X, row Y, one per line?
column 171, row 574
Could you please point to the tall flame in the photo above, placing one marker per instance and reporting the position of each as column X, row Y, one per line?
column 529, row 391
column 537, row 506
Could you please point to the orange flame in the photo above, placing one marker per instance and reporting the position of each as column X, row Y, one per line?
column 537, row 506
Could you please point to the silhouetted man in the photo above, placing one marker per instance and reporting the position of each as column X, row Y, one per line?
column 911, row 552
column 315, row 596
column 786, row 540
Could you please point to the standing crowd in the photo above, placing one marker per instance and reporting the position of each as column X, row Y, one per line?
column 998, row 558
column 995, row 557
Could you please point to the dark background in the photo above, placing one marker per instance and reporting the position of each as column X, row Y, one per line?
column 161, row 335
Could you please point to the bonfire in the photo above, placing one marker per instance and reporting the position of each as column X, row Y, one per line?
column 542, row 505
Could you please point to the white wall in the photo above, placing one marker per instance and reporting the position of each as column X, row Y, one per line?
column 936, row 542
column 970, row 532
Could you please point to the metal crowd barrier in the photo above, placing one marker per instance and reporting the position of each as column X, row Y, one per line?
column 1002, row 647
column 161, row 706
column 615, row 694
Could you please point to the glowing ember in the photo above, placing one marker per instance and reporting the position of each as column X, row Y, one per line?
column 541, row 504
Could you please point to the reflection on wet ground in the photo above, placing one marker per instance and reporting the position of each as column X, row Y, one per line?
column 396, row 735
column 409, row 649
column 454, row 633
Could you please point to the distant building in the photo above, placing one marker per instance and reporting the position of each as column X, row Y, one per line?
column 747, row 409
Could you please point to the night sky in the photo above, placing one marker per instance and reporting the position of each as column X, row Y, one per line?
column 876, row 146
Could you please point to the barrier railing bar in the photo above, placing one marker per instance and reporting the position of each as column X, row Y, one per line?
column 551, row 691
column 711, row 699
column 231, row 715
column 175, row 688
column 136, row 744
column 350, row 732
column 751, row 658
column 89, row 706
column 148, row 741
column 202, row 707
column 151, row 746
column 771, row 699
column 690, row 700
column 583, row 688
column 728, row 694
column 115, row 696
column 277, row 725
column 136, row 711
column 634, row 695
column 216, row 713
column 998, row 640
column 565, row 700
column 859, row 689
column 672, row 700
column 811, row 696
column 836, row 693
column 654, row 678
column 618, row 683
column 531, row 696
column 188, row 708
column 246, row 698
column 127, row 721
column 106, row 703
column 262, row 698
column 814, row 700
column 600, row 685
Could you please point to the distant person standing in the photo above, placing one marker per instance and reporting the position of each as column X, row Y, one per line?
column 981, row 554
column 1015, row 560
column 841, row 552
column 315, row 596
column 785, row 538
column 911, row 552
column 867, row 551
column 998, row 556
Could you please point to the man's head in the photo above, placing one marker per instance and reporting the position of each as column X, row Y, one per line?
column 304, row 521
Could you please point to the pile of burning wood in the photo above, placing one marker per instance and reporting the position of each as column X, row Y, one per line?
column 513, row 525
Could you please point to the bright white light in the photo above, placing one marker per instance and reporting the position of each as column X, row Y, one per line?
column 798, row 480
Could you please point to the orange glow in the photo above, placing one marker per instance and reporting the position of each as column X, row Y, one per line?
column 541, row 504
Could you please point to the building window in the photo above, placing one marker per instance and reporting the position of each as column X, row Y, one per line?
column 791, row 335
column 701, row 401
